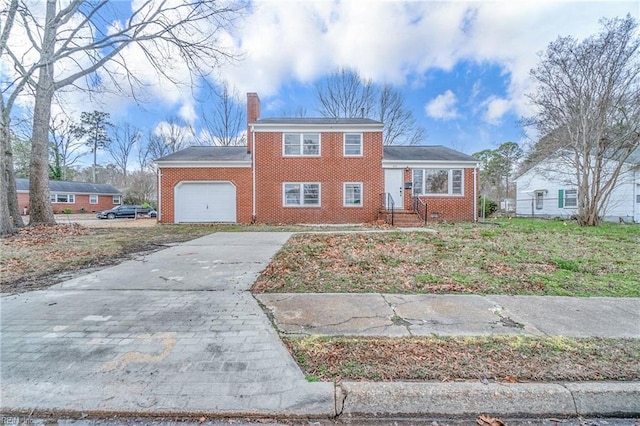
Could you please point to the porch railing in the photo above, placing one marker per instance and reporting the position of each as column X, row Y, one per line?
column 388, row 204
column 420, row 207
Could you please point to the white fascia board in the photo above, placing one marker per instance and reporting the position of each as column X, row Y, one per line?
column 426, row 164
column 317, row 128
column 203, row 164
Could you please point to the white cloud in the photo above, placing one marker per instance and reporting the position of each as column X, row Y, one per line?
column 495, row 108
column 443, row 106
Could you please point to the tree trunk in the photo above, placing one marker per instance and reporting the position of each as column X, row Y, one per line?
column 10, row 217
column 41, row 210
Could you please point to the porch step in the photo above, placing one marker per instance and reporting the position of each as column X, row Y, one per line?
column 403, row 218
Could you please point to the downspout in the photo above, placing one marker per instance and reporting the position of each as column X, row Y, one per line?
column 159, row 194
column 475, row 193
column 253, row 176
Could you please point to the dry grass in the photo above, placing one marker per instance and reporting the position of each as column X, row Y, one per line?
column 518, row 257
column 492, row 358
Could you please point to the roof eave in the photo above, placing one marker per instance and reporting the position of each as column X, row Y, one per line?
column 395, row 164
column 335, row 127
column 204, row 164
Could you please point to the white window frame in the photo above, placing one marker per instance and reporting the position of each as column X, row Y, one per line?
column 301, row 188
column 301, row 145
column 573, row 192
column 345, row 203
column 55, row 198
column 117, row 199
column 449, row 192
column 344, row 145
column 93, row 198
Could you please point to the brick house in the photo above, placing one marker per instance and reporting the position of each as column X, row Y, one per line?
column 313, row 170
column 77, row 196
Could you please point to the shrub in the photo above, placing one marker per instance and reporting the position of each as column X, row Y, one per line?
column 486, row 207
column 66, row 211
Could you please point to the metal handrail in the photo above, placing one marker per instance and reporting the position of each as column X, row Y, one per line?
column 388, row 204
column 417, row 204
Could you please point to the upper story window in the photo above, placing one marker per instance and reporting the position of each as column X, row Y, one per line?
column 301, row 144
column 352, row 144
column 63, row 198
column 438, row 182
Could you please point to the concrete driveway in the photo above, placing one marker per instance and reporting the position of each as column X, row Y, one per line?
column 174, row 332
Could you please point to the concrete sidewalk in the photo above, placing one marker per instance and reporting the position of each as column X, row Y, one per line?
column 453, row 315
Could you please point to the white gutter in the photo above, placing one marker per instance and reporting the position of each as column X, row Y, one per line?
column 475, row 194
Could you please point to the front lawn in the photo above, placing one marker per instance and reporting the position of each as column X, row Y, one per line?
column 517, row 256
column 487, row 359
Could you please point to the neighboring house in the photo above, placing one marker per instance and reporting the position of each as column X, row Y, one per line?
column 76, row 196
column 548, row 190
column 312, row 170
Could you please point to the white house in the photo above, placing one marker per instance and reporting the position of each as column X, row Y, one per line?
column 549, row 190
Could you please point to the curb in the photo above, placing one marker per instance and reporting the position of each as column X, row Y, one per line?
column 360, row 399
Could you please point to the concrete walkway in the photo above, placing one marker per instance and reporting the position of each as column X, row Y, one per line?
column 176, row 332
column 172, row 332
column 453, row 315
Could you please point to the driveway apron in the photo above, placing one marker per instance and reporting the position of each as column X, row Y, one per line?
column 175, row 331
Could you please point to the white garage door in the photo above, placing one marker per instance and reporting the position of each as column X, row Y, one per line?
column 204, row 202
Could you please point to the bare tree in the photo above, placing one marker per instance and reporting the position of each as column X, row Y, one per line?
column 73, row 42
column 226, row 125
column 65, row 146
column 10, row 218
column 588, row 99
column 125, row 137
column 345, row 94
column 142, row 188
column 400, row 126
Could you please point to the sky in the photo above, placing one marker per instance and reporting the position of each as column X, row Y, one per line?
column 462, row 66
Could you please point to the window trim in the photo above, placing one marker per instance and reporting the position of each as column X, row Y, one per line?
column 118, row 201
column 53, row 198
column 565, row 197
column 302, row 203
column 344, row 194
column 344, row 145
column 449, row 192
column 539, row 200
column 301, row 144
column 91, row 198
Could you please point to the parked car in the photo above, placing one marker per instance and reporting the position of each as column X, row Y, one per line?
column 126, row 211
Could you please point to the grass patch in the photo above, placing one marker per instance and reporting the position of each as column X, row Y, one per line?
column 41, row 256
column 527, row 257
column 493, row 358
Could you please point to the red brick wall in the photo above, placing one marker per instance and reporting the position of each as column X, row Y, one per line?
column 331, row 169
column 105, row 202
column 240, row 177
column 448, row 208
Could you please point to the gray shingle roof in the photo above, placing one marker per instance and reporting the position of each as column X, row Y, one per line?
column 320, row 121
column 209, row 153
column 424, row 153
column 72, row 187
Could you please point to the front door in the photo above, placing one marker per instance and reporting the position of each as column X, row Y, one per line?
column 394, row 185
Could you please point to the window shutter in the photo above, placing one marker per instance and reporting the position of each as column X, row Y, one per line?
column 560, row 198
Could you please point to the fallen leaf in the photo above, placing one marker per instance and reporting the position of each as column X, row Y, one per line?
column 486, row 420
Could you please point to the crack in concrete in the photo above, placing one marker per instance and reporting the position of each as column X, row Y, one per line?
column 397, row 319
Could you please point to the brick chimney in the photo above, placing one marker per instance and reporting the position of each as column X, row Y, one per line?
column 253, row 113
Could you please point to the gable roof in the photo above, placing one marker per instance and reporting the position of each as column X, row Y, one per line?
column 208, row 153
column 71, row 187
column 425, row 153
column 321, row 124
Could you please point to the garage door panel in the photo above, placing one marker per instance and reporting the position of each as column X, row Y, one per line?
column 205, row 202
